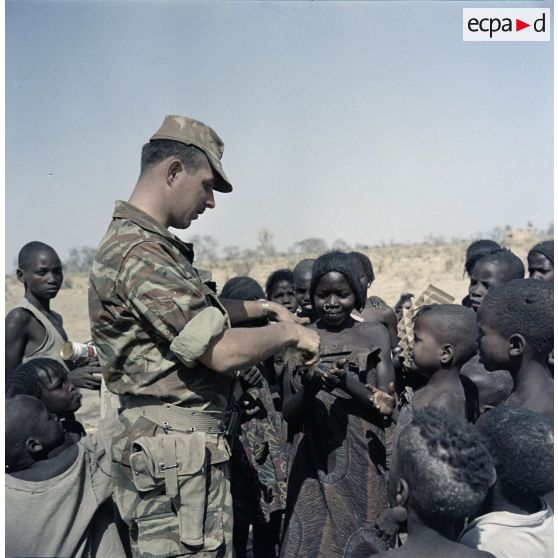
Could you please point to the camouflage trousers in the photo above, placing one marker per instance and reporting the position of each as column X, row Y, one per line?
column 152, row 516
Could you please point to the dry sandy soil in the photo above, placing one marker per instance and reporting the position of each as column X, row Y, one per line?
column 398, row 268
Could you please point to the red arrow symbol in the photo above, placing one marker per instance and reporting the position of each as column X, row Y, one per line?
column 519, row 25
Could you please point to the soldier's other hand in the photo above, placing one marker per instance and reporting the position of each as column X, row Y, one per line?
column 308, row 343
column 88, row 377
column 383, row 402
column 279, row 313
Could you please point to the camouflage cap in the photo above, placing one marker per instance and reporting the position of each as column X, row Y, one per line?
column 193, row 132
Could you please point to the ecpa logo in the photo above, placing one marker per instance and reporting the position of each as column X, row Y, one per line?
column 506, row 24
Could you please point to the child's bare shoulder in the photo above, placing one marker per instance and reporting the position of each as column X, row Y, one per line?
column 19, row 318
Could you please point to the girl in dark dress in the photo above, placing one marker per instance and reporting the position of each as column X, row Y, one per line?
column 337, row 485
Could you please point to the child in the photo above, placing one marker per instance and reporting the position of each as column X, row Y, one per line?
column 515, row 520
column 375, row 309
column 444, row 339
column 541, row 261
column 441, row 474
column 493, row 387
column 302, row 275
column 516, row 323
column 47, row 380
column 259, row 458
column 475, row 252
column 57, row 491
column 32, row 328
column 279, row 288
column 493, row 270
column 342, row 449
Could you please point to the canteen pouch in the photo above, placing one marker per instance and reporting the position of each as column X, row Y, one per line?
column 179, row 462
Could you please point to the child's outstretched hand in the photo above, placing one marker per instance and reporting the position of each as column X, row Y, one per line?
column 249, row 378
column 383, row 402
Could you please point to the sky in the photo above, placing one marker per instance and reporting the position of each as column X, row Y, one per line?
column 364, row 121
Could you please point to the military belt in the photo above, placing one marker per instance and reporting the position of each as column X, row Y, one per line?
column 172, row 417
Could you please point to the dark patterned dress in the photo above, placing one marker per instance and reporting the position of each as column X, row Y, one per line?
column 259, row 461
column 337, row 484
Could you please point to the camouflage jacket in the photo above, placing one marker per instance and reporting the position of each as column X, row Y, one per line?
column 152, row 317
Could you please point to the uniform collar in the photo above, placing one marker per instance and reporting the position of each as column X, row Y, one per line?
column 125, row 210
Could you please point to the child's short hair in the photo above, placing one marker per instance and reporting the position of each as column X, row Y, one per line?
column 477, row 250
column 29, row 250
column 366, row 265
column 521, row 443
column 453, row 324
column 242, row 288
column 512, row 267
column 275, row 277
column 446, row 465
column 524, row 306
column 345, row 264
column 25, row 378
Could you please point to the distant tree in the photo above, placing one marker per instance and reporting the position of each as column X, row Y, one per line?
column 205, row 247
column 364, row 247
column 231, row 252
column 80, row 260
column 314, row 246
column 265, row 243
column 550, row 230
column 340, row 245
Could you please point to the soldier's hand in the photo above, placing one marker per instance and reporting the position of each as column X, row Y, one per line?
column 383, row 402
column 308, row 344
column 279, row 313
column 88, row 377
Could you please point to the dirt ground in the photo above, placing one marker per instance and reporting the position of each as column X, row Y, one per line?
column 398, row 269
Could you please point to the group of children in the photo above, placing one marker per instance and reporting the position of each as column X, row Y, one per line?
column 447, row 454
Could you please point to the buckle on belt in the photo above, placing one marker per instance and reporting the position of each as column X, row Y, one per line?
column 164, row 466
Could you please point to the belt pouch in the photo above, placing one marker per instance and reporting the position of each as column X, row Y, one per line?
column 178, row 461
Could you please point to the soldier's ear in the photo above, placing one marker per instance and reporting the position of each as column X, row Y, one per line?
column 174, row 167
column 19, row 275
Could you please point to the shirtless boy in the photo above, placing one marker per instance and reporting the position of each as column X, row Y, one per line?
column 32, row 328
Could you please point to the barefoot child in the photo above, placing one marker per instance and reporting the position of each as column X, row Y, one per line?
column 516, row 323
column 32, row 328
column 493, row 270
column 441, row 474
column 57, row 491
column 515, row 520
column 279, row 288
column 342, row 448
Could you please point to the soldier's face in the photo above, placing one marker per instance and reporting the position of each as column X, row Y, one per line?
column 191, row 195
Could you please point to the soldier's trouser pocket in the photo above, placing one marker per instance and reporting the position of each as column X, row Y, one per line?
column 177, row 461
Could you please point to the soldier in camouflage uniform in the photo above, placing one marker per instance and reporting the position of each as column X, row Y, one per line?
column 166, row 347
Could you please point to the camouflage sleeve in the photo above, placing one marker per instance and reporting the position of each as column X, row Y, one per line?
column 167, row 298
column 192, row 342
